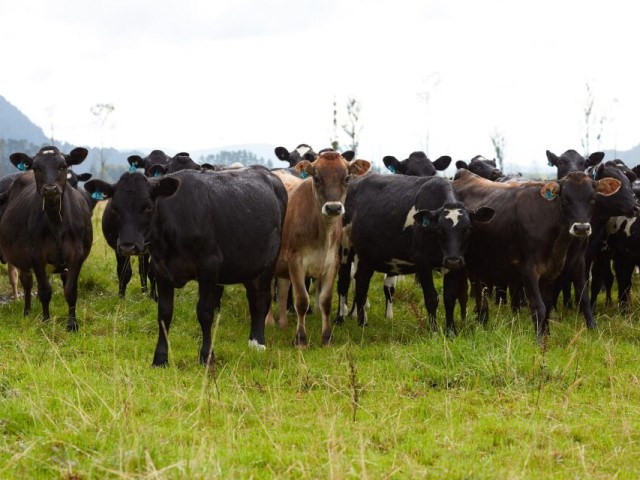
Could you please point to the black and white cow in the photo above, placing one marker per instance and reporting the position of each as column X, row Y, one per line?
column 301, row 152
column 47, row 225
column 403, row 224
column 213, row 227
column 416, row 165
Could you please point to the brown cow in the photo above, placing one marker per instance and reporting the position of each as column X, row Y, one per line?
column 311, row 235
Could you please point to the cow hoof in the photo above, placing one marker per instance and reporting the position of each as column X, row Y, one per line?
column 254, row 345
column 160, row 361
column 591, row 325
column 339, row 320
column 72, row 327
column 301, row 341
column 326, row 339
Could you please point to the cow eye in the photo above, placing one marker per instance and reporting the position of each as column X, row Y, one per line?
column 147, row 209
column 347, row 178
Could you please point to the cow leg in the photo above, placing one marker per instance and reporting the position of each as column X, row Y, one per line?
column 71, row 295
column 624, row 271
column 362, row 279
column 463, row 293
column 482, row 305
column 44, row 290
column 26, row 279
column 324, row 291
column 123, row 268
column 143, row 266
column 151, row 274
column 608, row 283
column 430, row 297
column 284, row 285
column 389, row 289
column 165, row 313
column 536, row 303
column 301, row 301
column 501, row 294
column 344, row 281
column 451, row 287
column 13, row 280
column 580, row 285
column 259, row 297
column 205, row 310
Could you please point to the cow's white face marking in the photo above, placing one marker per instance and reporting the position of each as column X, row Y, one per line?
column 396, row 266
column 302, row 150
column 68, row 176
column 454, row 215
column 48, row 152
column 409, row 220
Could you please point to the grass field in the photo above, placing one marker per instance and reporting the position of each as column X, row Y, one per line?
column 387, row 400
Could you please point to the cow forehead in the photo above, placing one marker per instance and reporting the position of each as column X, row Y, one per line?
column 453, row 214
column 333, row 162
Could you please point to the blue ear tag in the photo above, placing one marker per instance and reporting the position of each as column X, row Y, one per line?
column 98, row 195
column 391, row 168
column 304, row 174
column 425, row 221
column 133, row 168
column 157, row 174
column 595, row 172
column 550, row 164
column 548, row 194
column 22, row 167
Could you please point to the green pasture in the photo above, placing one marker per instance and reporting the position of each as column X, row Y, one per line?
column 386, row 401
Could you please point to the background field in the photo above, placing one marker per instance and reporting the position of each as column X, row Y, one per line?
column 387, row 400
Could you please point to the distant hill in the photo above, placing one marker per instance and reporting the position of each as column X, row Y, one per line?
column 15, row 125
column 630, row 157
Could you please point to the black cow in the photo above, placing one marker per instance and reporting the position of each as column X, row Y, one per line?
column 582, row 251
column 180, row 161
column 417, row 165
column 403, row 224
column 482, row 167
column 45, row 223
column 622, row 242
column 231, row 233
column 156, row 157
column 528, row 238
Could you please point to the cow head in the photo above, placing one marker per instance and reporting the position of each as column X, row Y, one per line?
column 481, row 167
column 572, row 161
column 331, row 172
column 132, row 202
column 417, row 165
column 624, row 201
column 296, row 155
column 156, row 157
column 451, row 224
column 180, row 161
column 50, row 169
column 576, row 193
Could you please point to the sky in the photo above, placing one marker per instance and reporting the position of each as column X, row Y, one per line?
column 437, row 76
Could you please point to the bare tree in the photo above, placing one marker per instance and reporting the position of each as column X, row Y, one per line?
column 594, row 122
column 498, row 141
column 101, row 112
column 335, row 143
column 352, row 126
column 430, row 84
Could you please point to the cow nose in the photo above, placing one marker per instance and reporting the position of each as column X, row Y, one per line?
column 50, row 190
column 333, row 209
column 127, row 249
column 453, row 263
column 580, row 229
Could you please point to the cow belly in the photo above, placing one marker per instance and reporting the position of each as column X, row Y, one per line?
column 316, row 261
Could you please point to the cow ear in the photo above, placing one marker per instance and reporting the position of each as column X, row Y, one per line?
column 207, row 166
column 135, row 161
column 594, row 159
column 83, row 177
column 76, row 156
column 550, row 190
column 99, row 190
column 282, row 154
column 607, row 186
column 164, row 187
column 157, row 170
column 305, row 169
column 461, row 164
column 349, row 155
column 21, row 161
column 426, row 217
column 552, row 159
column 482, row 214
column 393, row 164
column 359, row 167
column 442, row 163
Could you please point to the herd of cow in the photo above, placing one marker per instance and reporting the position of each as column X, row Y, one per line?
column 318, row 218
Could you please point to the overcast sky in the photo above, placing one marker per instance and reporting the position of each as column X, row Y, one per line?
column 195, row 74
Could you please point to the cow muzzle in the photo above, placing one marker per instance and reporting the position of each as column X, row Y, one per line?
column 51, row 190
column 453, row 263
column 580, row 229
column 333, row 209
column 128, row 249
